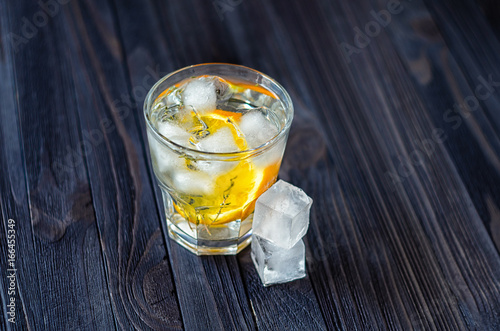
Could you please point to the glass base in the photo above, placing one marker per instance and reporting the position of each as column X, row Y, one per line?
column 224, row 239
column 205, row 246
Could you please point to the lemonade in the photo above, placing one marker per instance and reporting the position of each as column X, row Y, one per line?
column 216, row 145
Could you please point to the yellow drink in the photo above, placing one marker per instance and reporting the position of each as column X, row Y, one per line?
column 216, row 145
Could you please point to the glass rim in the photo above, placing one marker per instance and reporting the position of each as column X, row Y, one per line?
column 287, row 103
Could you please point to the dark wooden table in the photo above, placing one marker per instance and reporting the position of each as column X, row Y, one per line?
column 396, row 138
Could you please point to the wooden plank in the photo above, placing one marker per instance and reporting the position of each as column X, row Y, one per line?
column 290, row 306
column 13, row 204
column 475, row 52
column 474, row 46
column 3, row 321
column 491, row 10
column 211, row 291
column 438, row 210
column 60, row 268
column 138, row 274
column 442, row 83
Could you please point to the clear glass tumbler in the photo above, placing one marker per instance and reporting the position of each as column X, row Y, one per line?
column 209, row 193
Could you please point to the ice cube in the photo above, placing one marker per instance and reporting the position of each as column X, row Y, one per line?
column 275, row 264
column 215, row 168
column 174, row 133
column 200, row 94
column 166, row 160
column 256, row 128
column 222, row 89
column 220, row 141
column 282, row 214
column 257, row 98
column 174, row 98
column 168, row 101
column 192, row 182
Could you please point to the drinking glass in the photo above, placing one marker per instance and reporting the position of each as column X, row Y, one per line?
column 209, row 197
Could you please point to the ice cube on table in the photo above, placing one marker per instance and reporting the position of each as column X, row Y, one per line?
column 256, row 128
column 200, row 94
column 275, row 264
column 282, row 214
column 220, row 141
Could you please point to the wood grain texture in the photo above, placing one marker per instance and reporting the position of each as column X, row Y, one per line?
column 137, row 270
column 402, row 163
column 415, row 129
column 475, row 164
column 12, row 210
column 491, row 10
column 291, row 306
column 58, row 247
column 13, row 197
column 370, row 136
column 477, row 60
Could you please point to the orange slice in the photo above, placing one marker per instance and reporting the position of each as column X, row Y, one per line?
column 238, row 203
